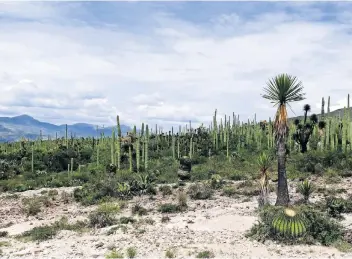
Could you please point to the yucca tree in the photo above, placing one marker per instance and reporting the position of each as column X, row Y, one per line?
column 282, row 90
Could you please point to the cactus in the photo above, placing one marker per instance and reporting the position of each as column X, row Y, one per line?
column 130, row 157
column 289, row 223
column 112, row 151
column 146, row 147
column 32, row 162
column 138, row 153
column 66, row 139
column 119, row 135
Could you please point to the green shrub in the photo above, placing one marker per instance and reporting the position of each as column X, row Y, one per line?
column 165, row 190
column 114, row 254
column 139, row 210
column 4, row 233
column 182, row 199
column 31, row 206
column 229, row 191
column 237, row 176
column 169, row 208
column 170, row 254
column 53, row 192
column 104, row 216
column 131, row 252
column 205, row 254
column 200, row 191
column 127, row 220
column 40, row 233
column 165, row 219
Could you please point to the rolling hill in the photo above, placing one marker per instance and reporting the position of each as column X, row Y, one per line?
column 336, row 113
column 13, row 128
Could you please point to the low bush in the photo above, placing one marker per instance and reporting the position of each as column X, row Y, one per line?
column 200, row 191
column 165, row 190
column 43, row 233
column 139, row 210
column 104, row 216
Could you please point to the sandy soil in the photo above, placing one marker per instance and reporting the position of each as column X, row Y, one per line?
column 217, row 225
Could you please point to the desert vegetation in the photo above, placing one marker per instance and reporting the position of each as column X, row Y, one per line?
column 151, row 193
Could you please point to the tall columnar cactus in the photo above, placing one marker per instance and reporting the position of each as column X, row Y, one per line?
column 322, row 107
column 119, row 135
column 66, row 139
column 138, row 153
column 113, row 148
column 142, row 141
column 173, row 146
column 156, row 137
column 146, row 147
column 71, row 164
column 215, row 132
column 348, row 101
column 329, row 105
column 98, row 154
column 191, row 147
column 32, row 162
column 178, row 147
column 130, row 157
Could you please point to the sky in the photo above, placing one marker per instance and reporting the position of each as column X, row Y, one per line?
column 167, row 63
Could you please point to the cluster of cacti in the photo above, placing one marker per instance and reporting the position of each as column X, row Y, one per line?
column 229, row 135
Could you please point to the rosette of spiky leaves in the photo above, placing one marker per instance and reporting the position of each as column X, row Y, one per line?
column 264, row 162
column 321, row 124
column 289, row 223
column 306, row 188
column 335, row 206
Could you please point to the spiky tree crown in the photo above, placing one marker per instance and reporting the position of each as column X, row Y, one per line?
column 306, row 108
column 281, row 90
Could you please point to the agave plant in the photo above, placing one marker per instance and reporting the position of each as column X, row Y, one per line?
column 335, row 206
column 264, row 162
column 306, row 188
column 289, row 224
column 123, row 190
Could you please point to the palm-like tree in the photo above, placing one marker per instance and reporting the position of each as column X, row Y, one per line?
column 282, row 90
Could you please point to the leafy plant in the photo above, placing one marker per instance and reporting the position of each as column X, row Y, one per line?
column 306, row 188
column 264, row 162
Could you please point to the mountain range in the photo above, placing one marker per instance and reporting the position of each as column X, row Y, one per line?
column 14, row 128
column 335, row 113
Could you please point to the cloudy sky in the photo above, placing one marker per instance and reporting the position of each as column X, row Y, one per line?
column 168, row 63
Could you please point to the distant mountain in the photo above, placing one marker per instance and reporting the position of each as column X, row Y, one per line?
column 336, row 113
column 14, row 128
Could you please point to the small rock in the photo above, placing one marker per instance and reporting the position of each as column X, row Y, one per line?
column 100, row 244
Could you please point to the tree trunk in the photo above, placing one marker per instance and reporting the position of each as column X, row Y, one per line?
column 304, row 147
column 282, row 188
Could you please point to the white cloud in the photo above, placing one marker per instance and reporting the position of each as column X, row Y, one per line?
column 177, row 71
